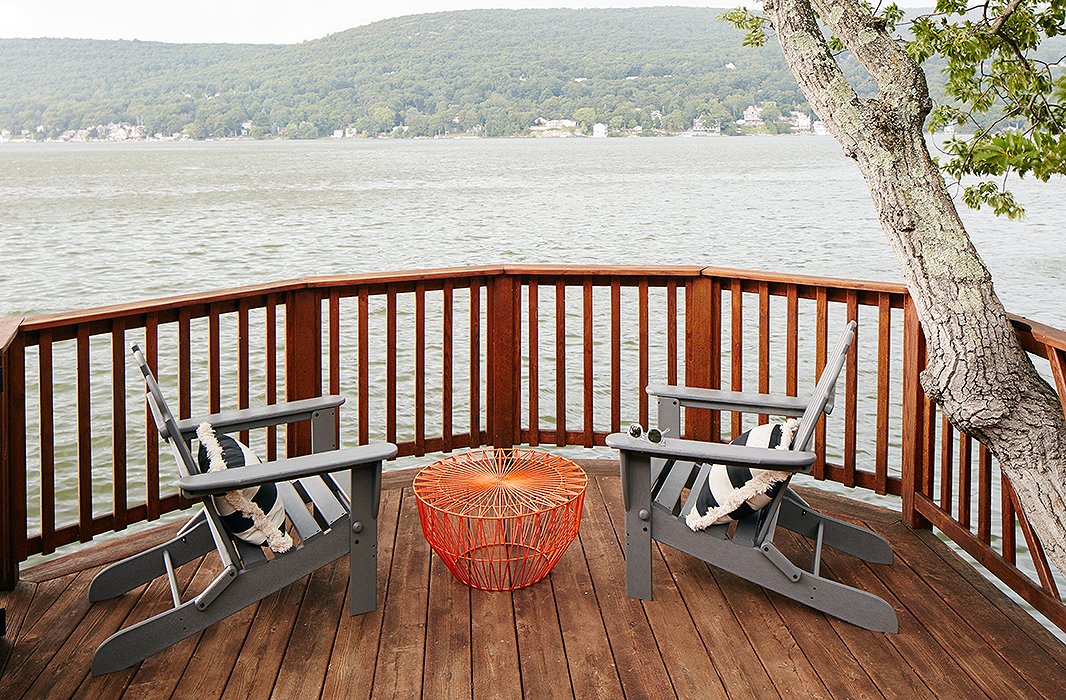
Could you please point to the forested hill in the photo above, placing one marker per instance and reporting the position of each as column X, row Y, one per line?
column 483, row 71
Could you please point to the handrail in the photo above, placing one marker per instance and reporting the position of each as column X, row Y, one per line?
column 443, row 359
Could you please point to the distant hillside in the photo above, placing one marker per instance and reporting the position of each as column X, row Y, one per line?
column 486, row 71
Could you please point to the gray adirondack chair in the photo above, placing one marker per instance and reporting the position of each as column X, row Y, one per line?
column 331, row 499
column 654, row 476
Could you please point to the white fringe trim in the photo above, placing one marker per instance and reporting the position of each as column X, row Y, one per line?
column 759, row 484
column 277, row 540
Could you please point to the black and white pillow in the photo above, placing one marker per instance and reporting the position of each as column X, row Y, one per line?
column 734, row 493
column 255, row 514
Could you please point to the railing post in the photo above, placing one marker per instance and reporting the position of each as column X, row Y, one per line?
column 914, row 452
column 700, row 307
column 303, row 360
column 12, row 452
column 504, row 318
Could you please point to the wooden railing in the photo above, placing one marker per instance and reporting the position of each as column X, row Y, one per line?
column 447, row 359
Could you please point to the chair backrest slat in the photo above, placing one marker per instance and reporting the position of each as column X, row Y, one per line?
column 164, row 417
column 825, row 390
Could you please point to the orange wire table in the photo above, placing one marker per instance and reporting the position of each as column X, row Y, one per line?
column 500, row 518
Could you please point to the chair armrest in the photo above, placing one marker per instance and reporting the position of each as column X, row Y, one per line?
column 210, row 483
column 260, row 416
column 716, row 453
column 747, row 402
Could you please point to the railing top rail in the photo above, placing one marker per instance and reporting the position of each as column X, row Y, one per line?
column 104, row 313
column 1040, row 332
column 9, row 327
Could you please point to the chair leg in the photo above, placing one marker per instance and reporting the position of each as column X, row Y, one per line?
column 636, row 496
column 125, row 575
column 841, row 536
column 363, row 542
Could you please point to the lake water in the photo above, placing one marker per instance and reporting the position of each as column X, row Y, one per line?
column 89, row 224
column 84, row 225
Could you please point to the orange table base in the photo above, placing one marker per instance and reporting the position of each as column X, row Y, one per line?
column 500, row 518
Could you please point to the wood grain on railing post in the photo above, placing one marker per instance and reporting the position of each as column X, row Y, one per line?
column 271, row 394
column 475, row 363
column 560, row 363
column 502, row 340
column 715, row 356
column 118, row 429
column 965, row 453
column 446, row 367
column 151, row 448
column 913, row 421
column 764, row 345
column 420, row 368
column 303, row 361
column 390, row 365
column 984, row 494
column 616, row 355
column 821, row 357
column 884, row 356
column 947, row 463
column 84, row 438
column 792, row 340
column 184, row 363
column 214, row 359
column 586, row 435
column 335, row 356
column 736, row 340
column 534, row 362
column 47, row 433
column 671, row 331
column 12, row 452
column 243, row 390
column 699, row 312
column 642, row 352
column 364, row 366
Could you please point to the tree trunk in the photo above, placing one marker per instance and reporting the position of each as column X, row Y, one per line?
column 977, row 370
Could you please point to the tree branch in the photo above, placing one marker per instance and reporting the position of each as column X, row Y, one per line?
column 1005, row 16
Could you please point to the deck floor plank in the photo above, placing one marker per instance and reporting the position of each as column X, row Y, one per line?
column 1017, row 649
column 351, row 663
column 636, row 654
column 687, row 661
column 156, row 599
column 41, row 639
column 312, row 635
column 707, row 633
column 588, row 655
column 17, row 603
column 401, row 655
column 494, row 656
column 263, row 652
column 447, row 668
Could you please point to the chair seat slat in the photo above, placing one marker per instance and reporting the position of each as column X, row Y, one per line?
column 297, row 511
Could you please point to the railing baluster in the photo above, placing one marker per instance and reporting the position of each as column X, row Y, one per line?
column 642, row 351
column 390, row 366
column 184, row 363
column 947, row 471
column 420, row 368
column 616, row 355
column 586, row 437
column 13, row 545
column 984, row 494
column 884, row 350
column 736, row 338
column 851, row 392
column 792, row 341
column 48, row 466
column 699, row 315
column 929, row 452
column 214, row 368
column 764, row 345
column 671, row 331
column 1036, row 550
column 1057, row 359
column 560, row 362
column 364, row 366
column 534, row 362
column 446, row 367
column 118, row 423
column 1008, row 545
column 821, row 325
column 271, row 397
column 243, row 389
column 715, row 354
column 151, row 462
column 475, row 363
column 84, row 439
column 964, row 479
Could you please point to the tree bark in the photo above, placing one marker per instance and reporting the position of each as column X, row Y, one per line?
column 977, row 371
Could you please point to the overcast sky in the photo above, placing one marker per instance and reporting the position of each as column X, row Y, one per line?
column 244, row 21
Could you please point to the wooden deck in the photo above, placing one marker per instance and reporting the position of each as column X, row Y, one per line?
column 706, row 634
